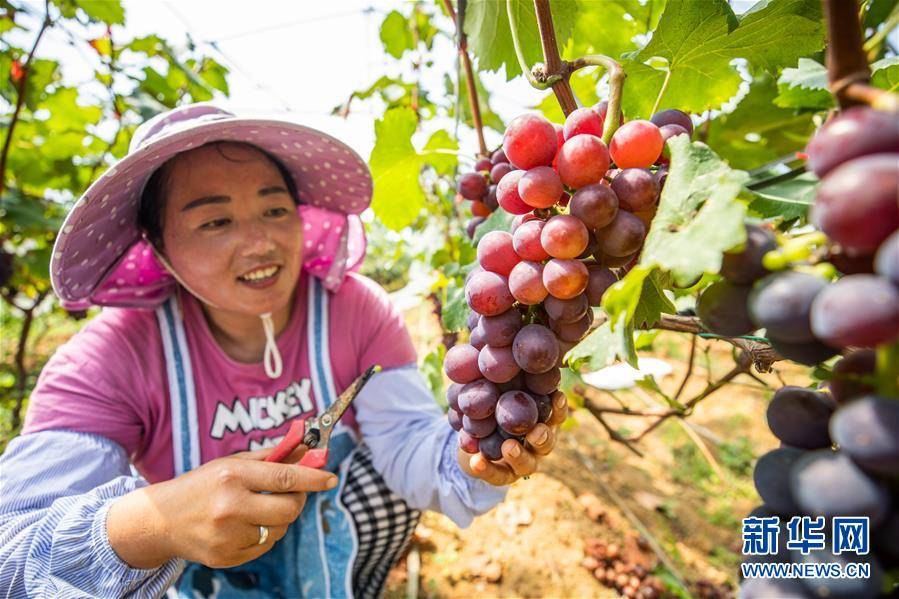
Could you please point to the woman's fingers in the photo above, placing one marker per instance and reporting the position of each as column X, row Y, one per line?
column 560, row 409
column 541, row 439
column 480, row 467
column 283, row 478
column 521, row 461
column 272, row 509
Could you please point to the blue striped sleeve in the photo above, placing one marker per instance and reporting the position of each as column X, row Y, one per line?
column 57, row 487
column 414, row 448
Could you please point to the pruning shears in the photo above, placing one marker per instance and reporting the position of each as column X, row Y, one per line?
column 315, row 432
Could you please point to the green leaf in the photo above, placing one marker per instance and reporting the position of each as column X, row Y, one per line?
column 455, row 308
column 639, row 296
column 788, row 200
column 395, row 167
column 432, row 368
column 108, row 11
column 804, row 87
column 604, row 346
column 758, row 131
column 687, row 63
column 443, row 162
column 610, row 27
column 699, row 216
column 885, row 73
column 490, row 38
column 878, row 11
column 396, row 34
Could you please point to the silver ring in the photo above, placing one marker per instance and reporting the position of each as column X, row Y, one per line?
column 263, row 535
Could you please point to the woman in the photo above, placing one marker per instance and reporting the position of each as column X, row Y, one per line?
column 141, row 464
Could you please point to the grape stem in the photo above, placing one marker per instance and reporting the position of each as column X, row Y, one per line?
column 847, row 62
column 462, row 45
column 616, row 85
column 554, row 64
column 519, row 53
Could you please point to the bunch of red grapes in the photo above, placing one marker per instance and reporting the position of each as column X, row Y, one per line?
column 479, row 187
column 840, row 444
column 533, row 290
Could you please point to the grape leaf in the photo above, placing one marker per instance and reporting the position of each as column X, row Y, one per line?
column 878, row 11
column 610, row 27
column 604, row 346
column 699, row 216
column 454, row 313
column 885, row 73
column 498, row 221
column 804, row 87
column 490, row 38
column 396, row 34
column 108, row 11
column 758, row 131
column 442, row 161
column 640, row 296
column 787, row 200
column 395, row 167
column 697, row 40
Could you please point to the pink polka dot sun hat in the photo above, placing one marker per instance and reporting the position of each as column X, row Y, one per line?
column 101, row 258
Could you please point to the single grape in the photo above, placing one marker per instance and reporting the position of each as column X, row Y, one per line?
column 496, row 253
column 526, row 283
column 483, row 165
column 544, row 408
column 488, row 293
column 744, row 265
column 497, row 364
column 565, row 279
column 811, row 353
column 583, row 120
column 478, row 428
column 799, row 417
column 520, row 219
column 672, row 116
column 856, row 132
column 480, row 209
column 477, row 399
column 498, row 157
column 540, row 187
column 452, row 395
column 781, row 303
column 636, row 189
column 567, row 310
column 491, row 446
column 636, row 144
column 535, row 349
column 477, row 338
column 595, row 205
column 868, row 431
column 490, row 199
column 669, row 131
column 455, row 419
column 772, row 479
column 544, row 383
column 583, row 160
column 827, row 483
column 564, row 237
column 468, row 443
column 526, row 241
column 472, row 224
column 853, row 375
column 600, row 280
column 473, row 319
column 722, row 309
column 623, row 236
column 574, row 331
column 500, row 330
column 499, row 171
column 516, row 412
column 472, row 186
column 507, row 194
column 886, row 263
column 857, row 310
column 856, row 202
column 461, row 363
column 530, row 140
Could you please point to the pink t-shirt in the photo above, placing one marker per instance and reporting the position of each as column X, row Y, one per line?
column 110, row 378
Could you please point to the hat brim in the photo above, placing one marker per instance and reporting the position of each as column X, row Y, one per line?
column 102, row 225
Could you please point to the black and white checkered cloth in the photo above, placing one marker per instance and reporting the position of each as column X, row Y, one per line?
column 384, row 524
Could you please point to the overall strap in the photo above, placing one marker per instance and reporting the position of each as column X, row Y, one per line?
column 319, row 347
column 182, row 397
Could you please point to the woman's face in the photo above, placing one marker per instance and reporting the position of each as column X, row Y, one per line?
column 231, row 229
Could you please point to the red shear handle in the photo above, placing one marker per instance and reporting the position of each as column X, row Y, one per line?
column 292, row 440
column 315, row 458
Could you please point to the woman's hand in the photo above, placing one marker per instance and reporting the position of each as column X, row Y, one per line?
column 518, row 460
column 212, row 514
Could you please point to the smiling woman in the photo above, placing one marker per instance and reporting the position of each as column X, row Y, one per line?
column 211, row 223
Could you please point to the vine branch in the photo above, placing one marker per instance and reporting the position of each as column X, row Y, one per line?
column 20, row 95
column 553, row 62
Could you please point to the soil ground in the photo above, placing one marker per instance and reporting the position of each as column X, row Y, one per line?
column 679, row 504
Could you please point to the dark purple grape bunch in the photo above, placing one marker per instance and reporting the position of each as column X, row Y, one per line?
column 479, row 187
